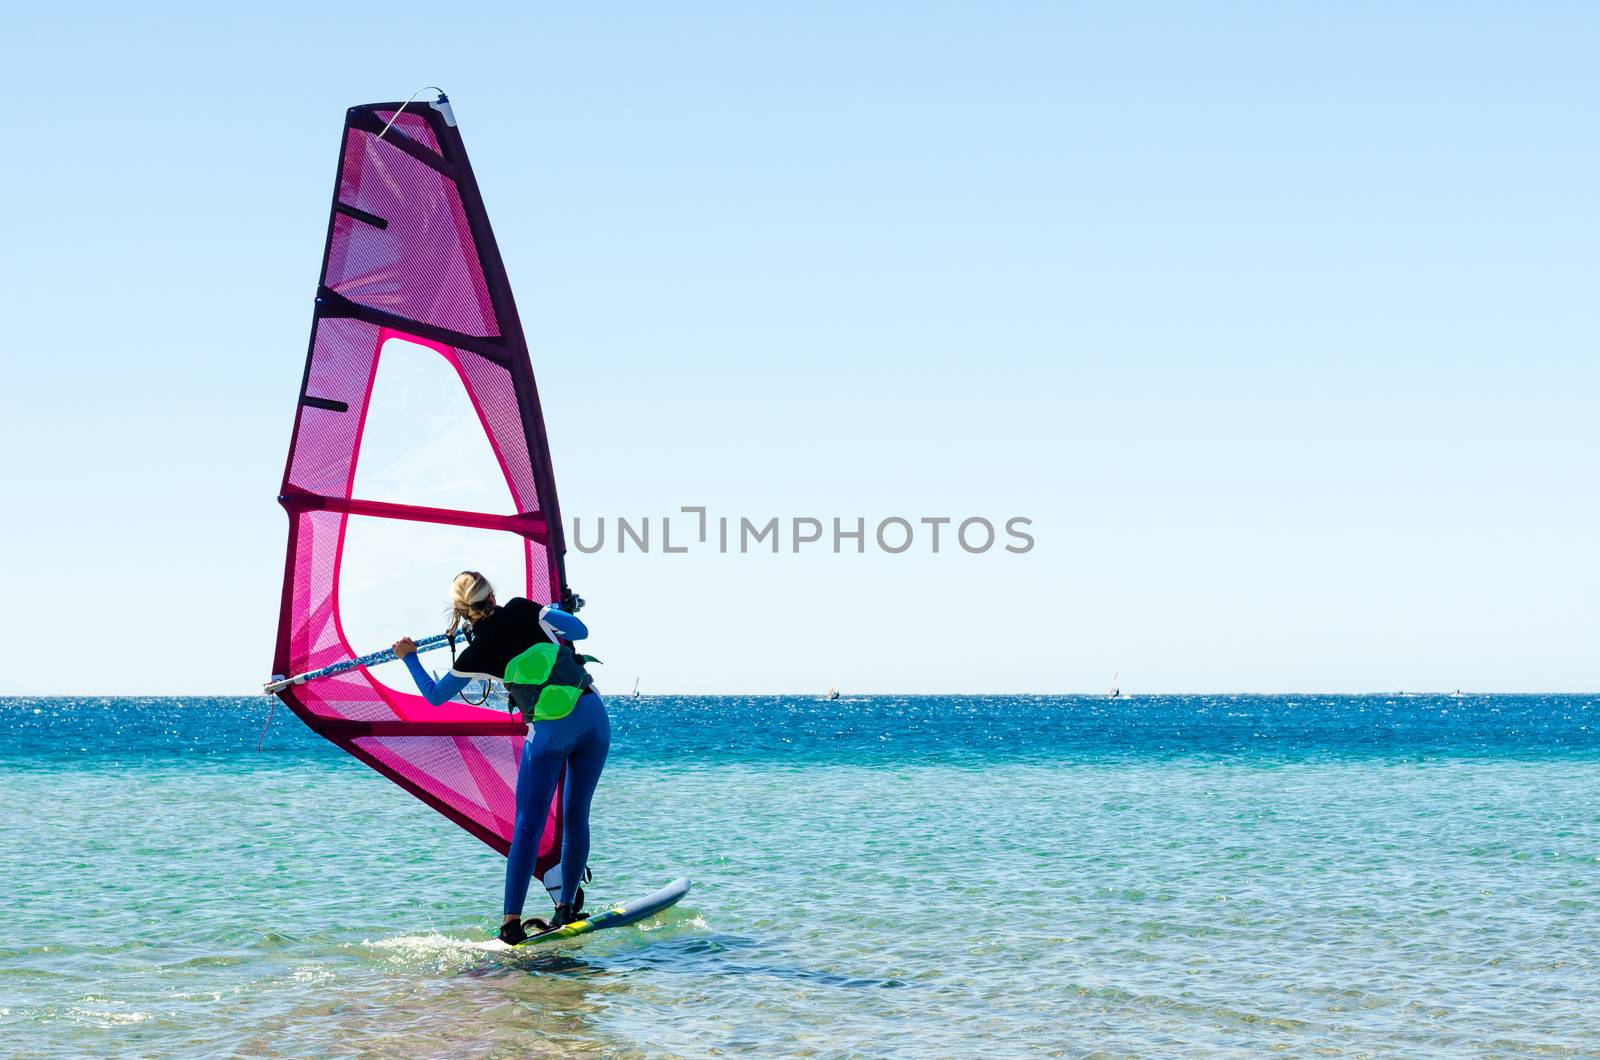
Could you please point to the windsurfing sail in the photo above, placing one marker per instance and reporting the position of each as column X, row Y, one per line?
column 413, row 293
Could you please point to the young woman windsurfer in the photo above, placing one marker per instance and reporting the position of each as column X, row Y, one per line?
column 522, row 644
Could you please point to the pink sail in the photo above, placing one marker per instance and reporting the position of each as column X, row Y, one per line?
column 410, row 262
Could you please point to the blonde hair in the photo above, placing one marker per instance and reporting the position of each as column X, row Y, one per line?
column 471, row 598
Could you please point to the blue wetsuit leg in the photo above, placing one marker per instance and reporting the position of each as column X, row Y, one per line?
column 536, row 786
column 578, row 742
column 584, row 766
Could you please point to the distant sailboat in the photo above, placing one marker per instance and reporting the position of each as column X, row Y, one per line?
column 1114, row 692
column 635, row 688
column 833, row 692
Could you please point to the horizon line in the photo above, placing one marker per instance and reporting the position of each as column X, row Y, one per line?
column 1452, row 693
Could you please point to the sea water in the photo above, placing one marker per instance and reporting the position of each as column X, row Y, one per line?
column 923, row 876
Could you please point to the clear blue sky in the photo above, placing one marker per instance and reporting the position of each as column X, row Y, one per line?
column 1277, row 319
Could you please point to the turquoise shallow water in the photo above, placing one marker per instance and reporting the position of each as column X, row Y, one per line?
column 927, row 877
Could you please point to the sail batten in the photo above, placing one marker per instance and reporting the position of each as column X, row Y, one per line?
column 410, row 262
column 333, row 304
column 527, row 524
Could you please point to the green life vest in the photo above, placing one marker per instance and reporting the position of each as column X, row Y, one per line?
column 547, row 680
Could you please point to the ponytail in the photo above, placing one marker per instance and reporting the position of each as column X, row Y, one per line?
column 471, row 599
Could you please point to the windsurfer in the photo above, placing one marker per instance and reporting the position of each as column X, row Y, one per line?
column 528, row 647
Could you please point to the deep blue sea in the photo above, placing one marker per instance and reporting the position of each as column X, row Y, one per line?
column 885, row 876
